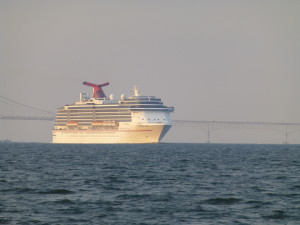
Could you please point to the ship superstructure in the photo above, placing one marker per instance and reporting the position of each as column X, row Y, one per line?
column 133, row 119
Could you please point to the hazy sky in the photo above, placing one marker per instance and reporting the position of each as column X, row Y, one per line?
column 225, row 60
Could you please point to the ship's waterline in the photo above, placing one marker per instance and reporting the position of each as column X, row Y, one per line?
column 135, row 119
column 138, row 134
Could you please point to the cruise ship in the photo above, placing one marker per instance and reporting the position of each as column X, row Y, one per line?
column 101, row 119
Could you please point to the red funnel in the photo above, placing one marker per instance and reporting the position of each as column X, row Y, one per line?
column 97, row 89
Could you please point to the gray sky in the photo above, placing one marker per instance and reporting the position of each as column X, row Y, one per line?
column 225, row 60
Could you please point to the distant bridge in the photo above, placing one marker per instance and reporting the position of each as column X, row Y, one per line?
column 50, row 118
column 210, row 126
column 207, row 126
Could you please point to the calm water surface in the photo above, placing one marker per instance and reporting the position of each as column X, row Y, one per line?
column 149, row 184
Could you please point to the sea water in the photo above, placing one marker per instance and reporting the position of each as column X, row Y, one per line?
column 149, row 184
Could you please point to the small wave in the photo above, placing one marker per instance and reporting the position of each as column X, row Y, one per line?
column 73, row 210
column 4, row 221
column 184, row 161
column 256, row 204
column 92, row 182
column 103, row 203
column 102, row 215
column 133, row 196
column 280, row 178
column 115, row 179
column 65, row 202
column 257, row 188
column 111, row 187
column 277, row 215
column 288, row 195
column 197, row 209
column 295, row 187
column 222, row 201
column 18, row 190
column 56, row 192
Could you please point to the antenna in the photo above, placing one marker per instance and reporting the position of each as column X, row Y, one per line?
column 136, row 91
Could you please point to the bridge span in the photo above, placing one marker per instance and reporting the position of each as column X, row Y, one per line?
column 49, row 118
column 207, row 126
column 32, row 113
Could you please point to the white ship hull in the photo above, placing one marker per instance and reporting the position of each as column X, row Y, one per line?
column 127, row 133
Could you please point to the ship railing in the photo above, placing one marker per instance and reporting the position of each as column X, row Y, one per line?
column 169, row 109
